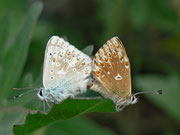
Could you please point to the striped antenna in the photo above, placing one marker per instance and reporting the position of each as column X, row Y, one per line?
column 32, row 89
column 23, row 88
column 152, row 92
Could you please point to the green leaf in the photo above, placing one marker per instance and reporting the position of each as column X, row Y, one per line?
column 16, row 10
column 4, row 32
column 170, row 98
column 13, row 52
column 16, row 53
column 10, row 116
column 29, row 100
column 76, row 126
column 88, row 50
column 66, row 110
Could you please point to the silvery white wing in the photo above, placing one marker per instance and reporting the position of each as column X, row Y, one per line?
column 66, row 70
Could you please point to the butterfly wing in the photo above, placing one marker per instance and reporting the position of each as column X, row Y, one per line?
column 65, row 67
column 111, row 70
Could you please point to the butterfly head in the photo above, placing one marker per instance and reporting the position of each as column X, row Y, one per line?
column 40, row 94
column 125, row 101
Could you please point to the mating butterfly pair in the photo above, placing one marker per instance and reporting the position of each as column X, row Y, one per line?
column 68, row 72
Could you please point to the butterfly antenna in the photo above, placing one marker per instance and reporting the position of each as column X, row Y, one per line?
column 152, row 92
column 23, row 88
column 24, row 93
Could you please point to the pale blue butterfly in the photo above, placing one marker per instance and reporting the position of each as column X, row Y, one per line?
column 66, row 72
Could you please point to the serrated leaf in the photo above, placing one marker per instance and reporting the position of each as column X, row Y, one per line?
column 15, row 55
column 66, row 110
column 170, row 98
column 9, row 116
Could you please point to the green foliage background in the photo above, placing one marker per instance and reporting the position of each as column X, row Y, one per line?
column 150, row 31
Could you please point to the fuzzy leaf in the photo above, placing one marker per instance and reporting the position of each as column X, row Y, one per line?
column 9, row 116
column 66, row 110
column 4, row 32
column 16, row 53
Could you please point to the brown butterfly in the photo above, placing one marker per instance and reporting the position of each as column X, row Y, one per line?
column 112, row 73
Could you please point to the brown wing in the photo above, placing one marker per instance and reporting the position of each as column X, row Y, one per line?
column 111, row 69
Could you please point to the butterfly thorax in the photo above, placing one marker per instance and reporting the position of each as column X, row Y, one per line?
column 55, row 95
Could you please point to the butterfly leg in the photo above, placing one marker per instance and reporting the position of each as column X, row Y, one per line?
column 47, row 103
column 44, row 106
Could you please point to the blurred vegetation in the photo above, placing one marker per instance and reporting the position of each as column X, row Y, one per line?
column 150, row 31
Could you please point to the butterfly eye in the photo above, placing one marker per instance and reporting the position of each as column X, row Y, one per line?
column 133, row 99
column 40, row 93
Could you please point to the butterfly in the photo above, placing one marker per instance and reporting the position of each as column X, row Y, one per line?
column 66, row 71
column 112, row 74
